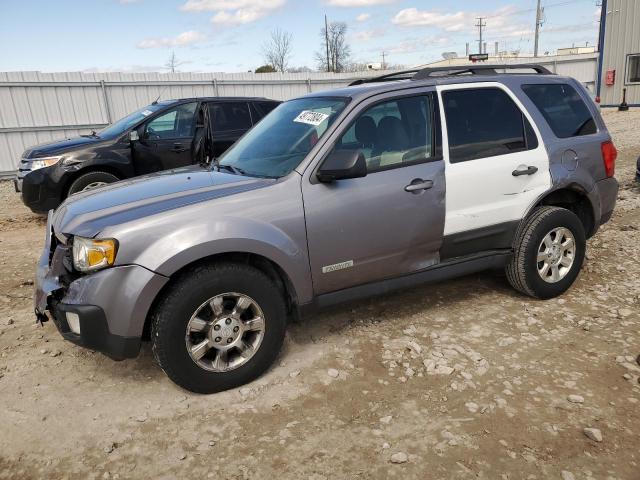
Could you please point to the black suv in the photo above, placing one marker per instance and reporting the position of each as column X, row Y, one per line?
column 161, row 136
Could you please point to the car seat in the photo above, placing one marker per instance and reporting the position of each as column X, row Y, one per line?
column 392, row 142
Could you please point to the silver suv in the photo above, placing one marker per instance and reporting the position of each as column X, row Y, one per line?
column 413, row 177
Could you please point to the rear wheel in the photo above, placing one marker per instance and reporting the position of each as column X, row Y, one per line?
column 91, row 180
column 548, row 253
column 218, row 327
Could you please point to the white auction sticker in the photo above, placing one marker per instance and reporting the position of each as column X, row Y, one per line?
column 146, row 113
column 311, row 118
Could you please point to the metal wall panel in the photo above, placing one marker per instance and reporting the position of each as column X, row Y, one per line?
column 622, row 37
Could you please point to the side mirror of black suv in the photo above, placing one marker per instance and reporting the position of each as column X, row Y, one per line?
column 341, row 165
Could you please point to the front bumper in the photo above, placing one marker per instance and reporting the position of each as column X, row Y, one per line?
column 40, row 190
column 112, row 304
column 94, row 331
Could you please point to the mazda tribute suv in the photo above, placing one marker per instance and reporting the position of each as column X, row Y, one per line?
column 408, row 178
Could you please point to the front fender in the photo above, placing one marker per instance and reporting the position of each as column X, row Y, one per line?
column 192, row 242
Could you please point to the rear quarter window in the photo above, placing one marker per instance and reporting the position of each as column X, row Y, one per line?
column 563, row 108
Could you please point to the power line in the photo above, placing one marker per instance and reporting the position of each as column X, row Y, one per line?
column 533, row 9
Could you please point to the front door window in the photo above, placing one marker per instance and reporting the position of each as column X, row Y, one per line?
column 177, row 122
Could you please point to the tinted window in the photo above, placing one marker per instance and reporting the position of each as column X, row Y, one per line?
column 393, row 133
column 266, row 107
column 177, row 122
column 563, row 109
column 230, row 116
column 485, row 122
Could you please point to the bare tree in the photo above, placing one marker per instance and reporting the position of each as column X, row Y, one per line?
column 277, row 50
column 173, row 63
column 335, row 36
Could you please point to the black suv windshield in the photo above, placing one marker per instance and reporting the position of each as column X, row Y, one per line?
column 130, row 120
column 277, row 145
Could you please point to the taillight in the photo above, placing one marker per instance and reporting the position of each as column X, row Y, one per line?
column 609, row 154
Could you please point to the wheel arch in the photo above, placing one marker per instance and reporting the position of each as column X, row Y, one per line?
column 261, row 262
column 90, row 169
column 575, row 198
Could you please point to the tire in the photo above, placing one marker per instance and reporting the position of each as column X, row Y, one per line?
column 83, row 181
column 192, row 291
column 531, row 277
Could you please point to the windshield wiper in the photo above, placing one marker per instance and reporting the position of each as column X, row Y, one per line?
column 234, row 170
column 243, row 172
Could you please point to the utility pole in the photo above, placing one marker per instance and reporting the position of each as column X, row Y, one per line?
column 383, row 62
column 481, row 23
column 326, row 41
column 538, row 23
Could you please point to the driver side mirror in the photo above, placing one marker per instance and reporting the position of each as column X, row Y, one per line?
column 341, row 165
column 134, row 136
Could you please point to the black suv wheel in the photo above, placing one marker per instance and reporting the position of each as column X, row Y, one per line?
column 548, row 253
column 218, row 327
column 90, row 181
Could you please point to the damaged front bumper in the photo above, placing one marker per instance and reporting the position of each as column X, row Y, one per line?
column 104, row 311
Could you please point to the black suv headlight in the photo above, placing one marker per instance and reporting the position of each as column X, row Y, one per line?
column 38, row 163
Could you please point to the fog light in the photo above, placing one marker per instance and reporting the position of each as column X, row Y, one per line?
column 73, row 320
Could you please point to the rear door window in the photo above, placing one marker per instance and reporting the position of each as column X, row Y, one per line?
column 563, row 109
column 228, row 116
column 485, row 122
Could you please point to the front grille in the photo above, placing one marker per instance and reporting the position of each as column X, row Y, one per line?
column 53, row 243
column 61, row 260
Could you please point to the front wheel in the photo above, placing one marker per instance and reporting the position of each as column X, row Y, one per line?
column 91, row 180
column 218, row 327
column 548, row 253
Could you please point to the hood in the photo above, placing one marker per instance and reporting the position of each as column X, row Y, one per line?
column 61, row 146
column 87, row 213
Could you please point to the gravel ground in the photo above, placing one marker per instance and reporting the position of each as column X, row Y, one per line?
column 464, row 379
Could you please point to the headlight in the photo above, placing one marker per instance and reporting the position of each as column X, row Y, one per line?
column 44, row 162
column 91, row 254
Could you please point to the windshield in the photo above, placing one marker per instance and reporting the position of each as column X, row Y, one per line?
column 129, row 121
column 277, row 145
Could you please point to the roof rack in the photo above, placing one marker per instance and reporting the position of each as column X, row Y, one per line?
column 402, row 75
column 431, row 72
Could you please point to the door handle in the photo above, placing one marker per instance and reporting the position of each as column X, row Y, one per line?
column 530, row 170
column 178, row 148
column 418, row 185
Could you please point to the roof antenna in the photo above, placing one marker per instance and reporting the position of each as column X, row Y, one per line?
column 155, row 102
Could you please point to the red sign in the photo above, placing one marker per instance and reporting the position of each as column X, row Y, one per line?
column 611, row 77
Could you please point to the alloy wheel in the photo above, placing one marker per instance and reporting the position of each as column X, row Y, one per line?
column 225, row 332
column 556, row 254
